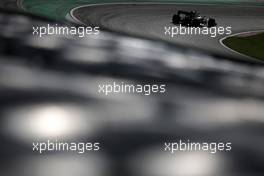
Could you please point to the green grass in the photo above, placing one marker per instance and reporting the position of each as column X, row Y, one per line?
column 252, row 46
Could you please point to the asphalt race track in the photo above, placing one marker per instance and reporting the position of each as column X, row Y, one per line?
column 9, row 4
column 149, row 20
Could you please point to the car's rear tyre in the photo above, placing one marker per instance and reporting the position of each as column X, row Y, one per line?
column 176, row 19
column 211, row 23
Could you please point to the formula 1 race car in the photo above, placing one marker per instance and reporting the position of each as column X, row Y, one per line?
column 192, row 19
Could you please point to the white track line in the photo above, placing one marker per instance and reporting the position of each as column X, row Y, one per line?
column 20, row 4
column 71, row 15
column 134, row 3
column 155, row 3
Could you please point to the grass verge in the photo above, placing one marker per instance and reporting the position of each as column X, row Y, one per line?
column 252, row 46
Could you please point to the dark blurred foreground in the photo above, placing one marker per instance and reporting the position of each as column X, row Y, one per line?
column 49, row 90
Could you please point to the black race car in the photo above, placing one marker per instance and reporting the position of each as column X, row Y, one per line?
column 192, row 19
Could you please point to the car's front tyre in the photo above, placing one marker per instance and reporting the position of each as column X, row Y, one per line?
column 211, row 22
column 176, row 19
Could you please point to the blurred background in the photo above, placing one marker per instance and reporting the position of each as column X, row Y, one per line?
column 49, row 91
